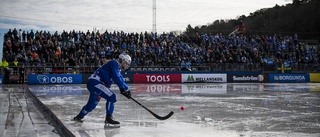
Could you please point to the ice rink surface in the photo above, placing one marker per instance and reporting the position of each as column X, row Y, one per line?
column 211, row 110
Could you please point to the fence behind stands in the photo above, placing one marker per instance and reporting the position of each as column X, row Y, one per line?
column 216, row 67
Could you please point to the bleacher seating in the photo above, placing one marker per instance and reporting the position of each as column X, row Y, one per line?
column 184, row 46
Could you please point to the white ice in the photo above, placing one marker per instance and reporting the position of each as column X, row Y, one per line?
column 211, row 110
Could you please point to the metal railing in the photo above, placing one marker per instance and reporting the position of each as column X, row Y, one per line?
column 215, row 67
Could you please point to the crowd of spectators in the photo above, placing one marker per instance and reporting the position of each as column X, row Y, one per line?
column 78, row 48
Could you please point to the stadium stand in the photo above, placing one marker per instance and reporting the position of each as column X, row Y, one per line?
column 46, row 52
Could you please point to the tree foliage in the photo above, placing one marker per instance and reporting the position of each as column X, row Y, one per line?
column 300, row 17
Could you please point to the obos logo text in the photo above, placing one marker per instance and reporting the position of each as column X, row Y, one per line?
column 45, row 79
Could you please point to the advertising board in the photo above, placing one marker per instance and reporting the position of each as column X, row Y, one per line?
column 314, row 77
column 289, row 78
column 198, row 78
column 243, row 78
column 157, row 78
column 54, row 79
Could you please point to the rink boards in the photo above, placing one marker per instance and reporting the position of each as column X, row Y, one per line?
column 191, row 77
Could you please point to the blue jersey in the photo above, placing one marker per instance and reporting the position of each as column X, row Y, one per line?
column 110, row 73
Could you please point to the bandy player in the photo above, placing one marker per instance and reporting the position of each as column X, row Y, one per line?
column 99, row 84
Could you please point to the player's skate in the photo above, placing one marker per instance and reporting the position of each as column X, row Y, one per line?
column 111, row 123
column 78, row 119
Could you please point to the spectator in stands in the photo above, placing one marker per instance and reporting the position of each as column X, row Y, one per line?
column 188, row 65
column 15, row 67
column 31, row 35
column 22, row 72
column 4, row 63
column 316, row 65
column 15, row 34
column 24, row 36
column 20, row 35
column 7, row 72
column 152, row 49
column 76, row 69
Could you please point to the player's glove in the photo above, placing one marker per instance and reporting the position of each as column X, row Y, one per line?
column 125, row 93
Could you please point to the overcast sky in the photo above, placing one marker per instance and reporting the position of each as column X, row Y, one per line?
column 127, row 15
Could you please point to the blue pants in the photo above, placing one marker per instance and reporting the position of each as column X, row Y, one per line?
column 97, row 91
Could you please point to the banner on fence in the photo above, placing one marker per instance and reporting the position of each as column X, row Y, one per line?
column 242, row 78
column 198, row 78
column 54, row 79
column 314, row 77
column 289, row 78
column 157, row 78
